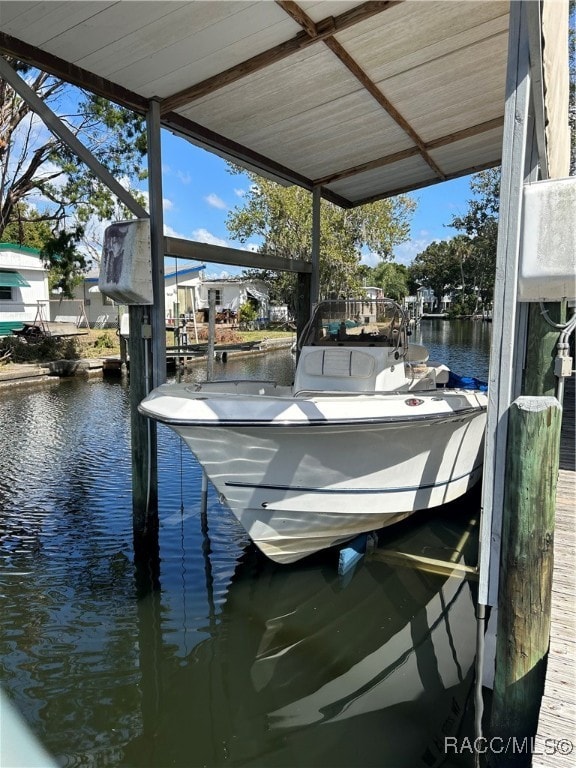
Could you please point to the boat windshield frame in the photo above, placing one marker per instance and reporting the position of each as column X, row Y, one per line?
column 352, row 322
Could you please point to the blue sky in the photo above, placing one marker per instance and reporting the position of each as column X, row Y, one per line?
column 199, row 192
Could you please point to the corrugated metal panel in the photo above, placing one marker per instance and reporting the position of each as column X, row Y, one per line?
column 313, row 100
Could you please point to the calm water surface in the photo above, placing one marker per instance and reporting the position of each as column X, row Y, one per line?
column 231, row 660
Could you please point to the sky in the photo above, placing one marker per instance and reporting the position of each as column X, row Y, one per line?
column 199, row 192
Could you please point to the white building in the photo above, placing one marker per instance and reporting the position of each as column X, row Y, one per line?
column 181, row 296
column 232, row 292
column 23, row 285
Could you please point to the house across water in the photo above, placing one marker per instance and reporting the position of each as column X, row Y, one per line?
column 23, row 285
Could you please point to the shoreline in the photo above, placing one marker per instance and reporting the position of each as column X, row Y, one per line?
column 35, row 374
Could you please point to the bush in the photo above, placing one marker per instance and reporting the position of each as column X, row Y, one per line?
column 42, row 350
column 104, row 341
column 247, row 312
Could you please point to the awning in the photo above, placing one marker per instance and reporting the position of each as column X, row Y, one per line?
column 256, row 294
column 10, row 279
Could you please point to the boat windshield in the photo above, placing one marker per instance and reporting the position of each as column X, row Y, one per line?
column 356, row 321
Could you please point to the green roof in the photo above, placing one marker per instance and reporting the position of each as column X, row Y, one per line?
column 12, row 279
column 22, row 248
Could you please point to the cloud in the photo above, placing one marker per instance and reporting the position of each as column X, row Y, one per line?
column 184, row 177
column 171, row 232
column 370, row 259
column 406, row 252
column 203, row 236
column 224, row 274
column 240, row 193
column 216, row 202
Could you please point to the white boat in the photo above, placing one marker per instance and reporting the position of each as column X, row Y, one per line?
column 367, row 434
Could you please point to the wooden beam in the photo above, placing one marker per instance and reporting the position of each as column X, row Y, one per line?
column 379, row 162
column 426, row 183
column 191, row 249
column 299, row 16
column 443, row 141
column 466, row 133
column 385, row 103
column 324, row 28
column 47, row 62
column 352, row 65
column 421, row 563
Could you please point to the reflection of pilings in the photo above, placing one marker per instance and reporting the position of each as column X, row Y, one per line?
column 147, row 582
column 206, row 552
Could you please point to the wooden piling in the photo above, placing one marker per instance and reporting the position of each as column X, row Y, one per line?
column 541, row 349
column 524, row 598
column 144, row 440
column 211, row 334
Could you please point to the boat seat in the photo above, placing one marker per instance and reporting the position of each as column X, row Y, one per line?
column 336, row 368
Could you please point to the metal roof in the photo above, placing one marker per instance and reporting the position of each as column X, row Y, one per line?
column 365, row 99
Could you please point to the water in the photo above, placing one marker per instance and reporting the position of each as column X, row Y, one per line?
column 232, row 660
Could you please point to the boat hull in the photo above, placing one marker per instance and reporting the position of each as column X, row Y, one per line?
column 303, row 479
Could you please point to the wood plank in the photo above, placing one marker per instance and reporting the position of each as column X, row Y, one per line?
column 557, row 719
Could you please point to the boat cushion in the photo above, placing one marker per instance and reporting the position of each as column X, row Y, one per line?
column 339, row 362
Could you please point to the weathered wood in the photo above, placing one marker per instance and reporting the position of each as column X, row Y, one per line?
column 539, row 378
column 557, row 719
column 211, row 334
column 353, row 66
column 324, row 28
column 144, row 443
column 524, row 600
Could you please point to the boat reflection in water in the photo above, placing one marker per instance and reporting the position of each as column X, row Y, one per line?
column 306, row 668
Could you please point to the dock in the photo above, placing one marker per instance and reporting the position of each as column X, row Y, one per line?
column 555, row 742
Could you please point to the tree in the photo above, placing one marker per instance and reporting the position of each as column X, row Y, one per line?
column 25, row 229
column 391, row 277
column 281, row 218
column 41, row 179
column 439, row 268
column 480, row 224
column 572, row 84
column 65, row 262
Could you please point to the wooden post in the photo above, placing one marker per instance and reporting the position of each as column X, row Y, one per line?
column 211, row 334
column 526, row 564
column 539, row 378
column 143, row 433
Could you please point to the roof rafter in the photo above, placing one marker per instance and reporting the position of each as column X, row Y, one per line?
column 429, row 182
column 311, row 29
column 65, row 70
column 443, row 141
column 324, row 28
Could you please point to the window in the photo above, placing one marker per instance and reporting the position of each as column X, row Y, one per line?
column 5, row 293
